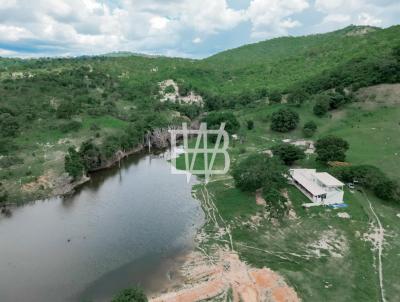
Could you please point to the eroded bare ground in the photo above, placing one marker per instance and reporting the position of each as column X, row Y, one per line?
column 223, row 276
column 219, row 275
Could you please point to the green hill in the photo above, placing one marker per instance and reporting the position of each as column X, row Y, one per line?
column 286, row 62
column 45, row 101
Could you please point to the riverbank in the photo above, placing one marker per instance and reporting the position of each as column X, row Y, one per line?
column 104, row 233
column 216, row 271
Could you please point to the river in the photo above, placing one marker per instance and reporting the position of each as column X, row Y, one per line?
column 128, row 225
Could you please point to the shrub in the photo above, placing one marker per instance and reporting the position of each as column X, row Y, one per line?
column 73, row 164
column 275, row 97
column 276, row 203
column 67, row 109
column 131, row 295
column 309, row 129
column 284, row 120
column 8, row 161
column 70, row 126
column 331, row 148
column 9, row 125
column 250, row 125
column 288, row 153
column 297, row 97
column 170, row 89
column 322, row 105
column 387, row 190
column 215, row 119
column 3, row 195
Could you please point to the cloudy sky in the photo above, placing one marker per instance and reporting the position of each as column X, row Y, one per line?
column 189, row 28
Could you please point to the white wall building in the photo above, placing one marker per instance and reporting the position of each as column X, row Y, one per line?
column 320, row 187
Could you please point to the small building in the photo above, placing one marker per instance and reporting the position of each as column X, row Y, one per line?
column 320, row 187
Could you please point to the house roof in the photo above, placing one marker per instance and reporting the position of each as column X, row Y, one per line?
column 328, row 180
column 302, row 176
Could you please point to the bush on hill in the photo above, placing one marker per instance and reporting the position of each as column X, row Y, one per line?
column 284, row 120
column 275, row 96
column 322, row 105
column 9, row 125
column 331, row 148
column 309, row 129
column 214, row 120
column 250, row 124
column 297, row 97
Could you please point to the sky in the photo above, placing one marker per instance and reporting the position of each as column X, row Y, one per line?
column 182, row 28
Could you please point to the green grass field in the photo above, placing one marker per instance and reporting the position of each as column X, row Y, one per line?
column 325, row 254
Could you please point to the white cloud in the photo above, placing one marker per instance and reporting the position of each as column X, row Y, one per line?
column 7, row 53
column 324, row 5
column 367, row 19
column 271, row 18
column 13, row 33
column 98, row 26
column 197, row 40
column 158, row 23
column 336, row 18
column 359, row 12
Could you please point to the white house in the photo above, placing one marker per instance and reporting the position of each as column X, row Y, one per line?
column 320, row 187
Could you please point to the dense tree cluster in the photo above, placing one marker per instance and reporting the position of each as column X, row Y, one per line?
column 288, row 153
column 284, row 120
column 331, row 148
column 214, row 120
column 371, row 178
column 258, row 171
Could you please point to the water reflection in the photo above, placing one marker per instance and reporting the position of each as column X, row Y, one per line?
column 124, row 227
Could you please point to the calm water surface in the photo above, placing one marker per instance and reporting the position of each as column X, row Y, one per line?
column 127, row 226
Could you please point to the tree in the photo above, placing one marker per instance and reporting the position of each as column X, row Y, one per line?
column 90, row 155
column 170, row 89
column 8, row 125
column 73, row 164
column 322, row 105
column 284, row 120
column 67, row 109
column 250, row 125
column 297, row 97
column 309, row 129
column 257, row 171
column 288, row 153
column 371, row 178
column 3, row 194
column 275, row 97
column 387, row 190
column 337, row 99
column 214, row 120
column 331, row 148
column 131, row 295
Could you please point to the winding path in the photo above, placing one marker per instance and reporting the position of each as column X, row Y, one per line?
column 379, row 244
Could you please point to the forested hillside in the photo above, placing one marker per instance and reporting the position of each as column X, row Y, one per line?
column 108, row 103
